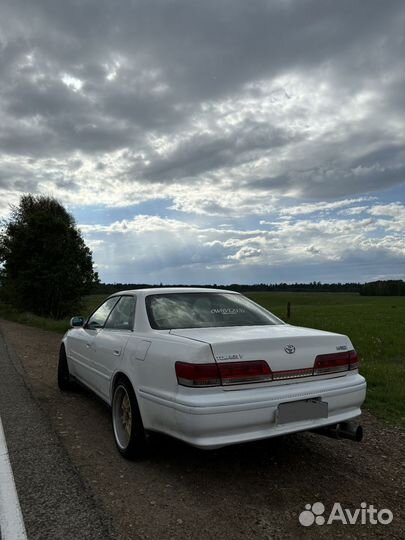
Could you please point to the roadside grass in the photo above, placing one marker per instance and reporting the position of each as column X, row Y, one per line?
column 89, row 303
column 375, row 326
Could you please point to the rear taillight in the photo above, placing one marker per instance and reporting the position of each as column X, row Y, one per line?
column 354, row 361
column 335, row 362
column 255, row 371
column 197, row 375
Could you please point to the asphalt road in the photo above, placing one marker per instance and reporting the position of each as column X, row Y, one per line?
column 54, row 501
column 73, row 483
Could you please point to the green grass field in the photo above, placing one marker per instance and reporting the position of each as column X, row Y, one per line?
column 374, row 324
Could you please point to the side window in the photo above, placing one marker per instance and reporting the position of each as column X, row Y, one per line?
column 122, row 316
column 98, row 318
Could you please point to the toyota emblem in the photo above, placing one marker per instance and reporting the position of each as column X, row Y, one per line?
column 290, row 349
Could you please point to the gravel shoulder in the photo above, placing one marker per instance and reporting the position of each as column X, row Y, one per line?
column 55, row 503
column 249, row 491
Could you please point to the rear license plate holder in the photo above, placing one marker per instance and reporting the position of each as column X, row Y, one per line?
column 298, row 411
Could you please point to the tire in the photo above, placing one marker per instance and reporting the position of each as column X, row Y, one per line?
column 129, row 434
column 64, row 378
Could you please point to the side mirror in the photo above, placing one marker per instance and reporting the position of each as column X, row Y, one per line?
column 76, row 322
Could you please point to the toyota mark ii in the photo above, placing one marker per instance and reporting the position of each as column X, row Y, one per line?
column 210, row 367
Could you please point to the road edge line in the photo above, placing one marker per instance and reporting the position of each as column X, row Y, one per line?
column 11, row 519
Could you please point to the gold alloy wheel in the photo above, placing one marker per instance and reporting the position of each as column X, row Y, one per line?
column 126, row 417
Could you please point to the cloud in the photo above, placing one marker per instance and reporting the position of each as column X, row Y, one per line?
column 233, row 111
column 310, row 208
column 148, row 246
column 201, row 92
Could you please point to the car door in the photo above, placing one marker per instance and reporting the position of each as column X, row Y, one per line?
column 81, row 343
column 110, row 343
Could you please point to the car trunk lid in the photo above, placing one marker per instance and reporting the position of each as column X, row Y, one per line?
column 290, row 351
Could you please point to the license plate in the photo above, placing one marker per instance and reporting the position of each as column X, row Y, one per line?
column 296, row 411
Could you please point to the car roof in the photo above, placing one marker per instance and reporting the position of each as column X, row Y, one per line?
column 165, row 290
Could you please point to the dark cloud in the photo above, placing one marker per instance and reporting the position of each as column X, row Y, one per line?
column 94, row 77
column 204, row 153
column 208, row 48
column 14, row 177
column 379, row 169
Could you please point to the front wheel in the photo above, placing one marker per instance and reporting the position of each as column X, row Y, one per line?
column 129, row 433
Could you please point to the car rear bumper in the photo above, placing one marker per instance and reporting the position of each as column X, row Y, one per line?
column 217, row 419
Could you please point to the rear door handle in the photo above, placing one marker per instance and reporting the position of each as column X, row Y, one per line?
column 116, row 352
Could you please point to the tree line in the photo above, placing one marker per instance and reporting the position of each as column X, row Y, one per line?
column 376, row 288
column 389, row 287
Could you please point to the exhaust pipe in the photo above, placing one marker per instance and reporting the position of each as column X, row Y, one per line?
column 343, row 430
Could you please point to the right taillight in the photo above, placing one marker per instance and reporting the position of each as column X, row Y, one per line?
column 335, row 362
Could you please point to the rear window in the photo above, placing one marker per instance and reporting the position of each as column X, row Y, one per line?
column 204, row 310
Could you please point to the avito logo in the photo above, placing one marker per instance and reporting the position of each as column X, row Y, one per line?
column 366, row 514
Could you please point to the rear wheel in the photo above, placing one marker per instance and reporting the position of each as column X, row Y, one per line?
column 129, row 433
column 64, row 377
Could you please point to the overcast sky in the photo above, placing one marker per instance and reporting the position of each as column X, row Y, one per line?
column 212, row 141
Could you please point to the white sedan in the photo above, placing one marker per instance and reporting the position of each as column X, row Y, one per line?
column 211, row 368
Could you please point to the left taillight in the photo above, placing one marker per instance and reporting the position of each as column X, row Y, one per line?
column 197, row 375
column 335, row 362
column 227, row 373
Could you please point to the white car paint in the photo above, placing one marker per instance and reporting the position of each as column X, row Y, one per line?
column 211, row 417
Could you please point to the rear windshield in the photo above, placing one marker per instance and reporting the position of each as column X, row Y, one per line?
column 204, row 310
